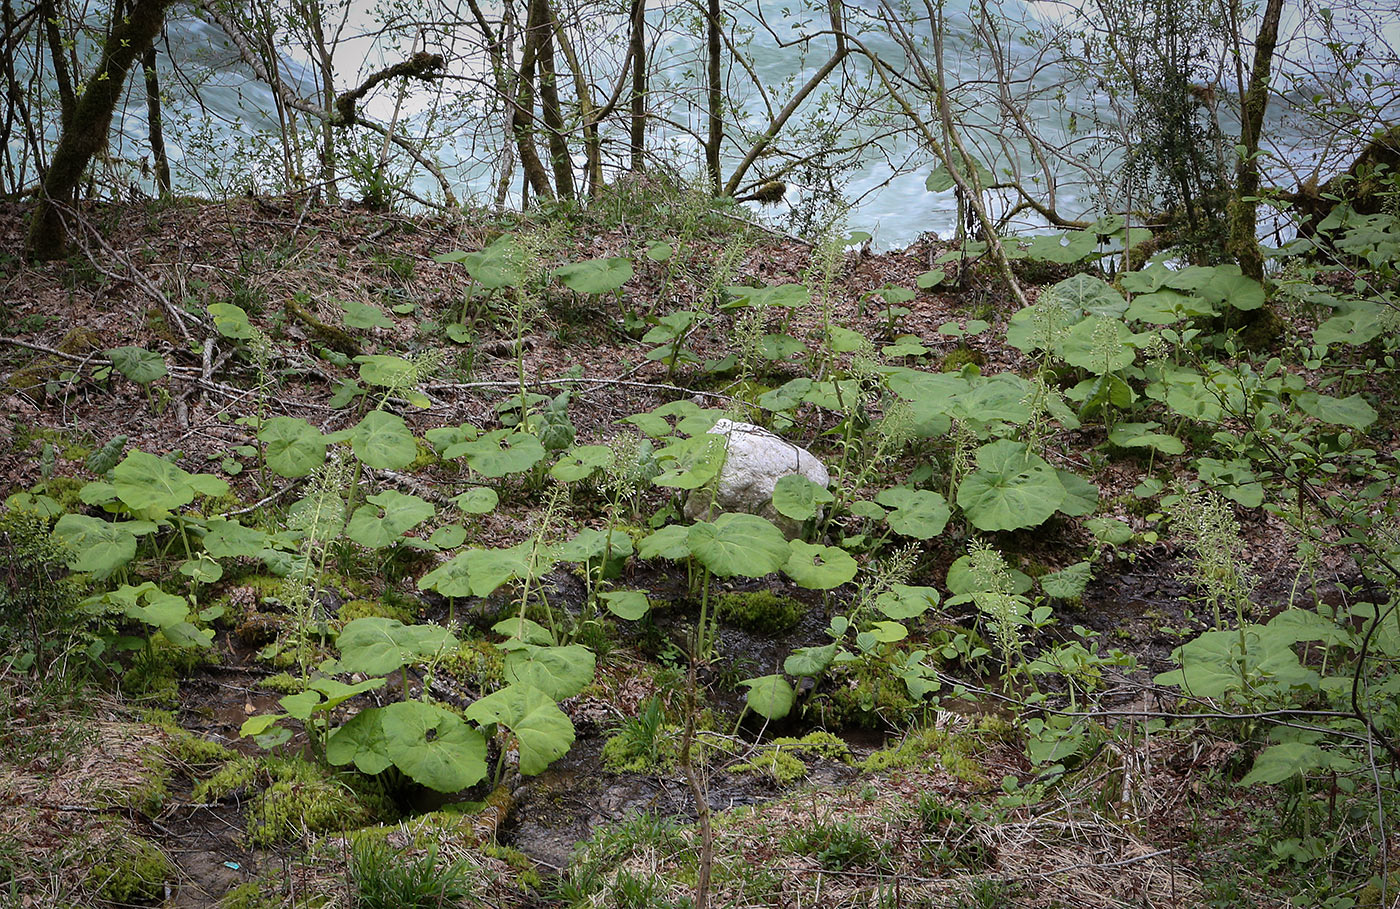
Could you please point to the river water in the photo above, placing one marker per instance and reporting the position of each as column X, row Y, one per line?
column 222, row 129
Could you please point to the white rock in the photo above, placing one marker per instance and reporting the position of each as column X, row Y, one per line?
column 755, row 459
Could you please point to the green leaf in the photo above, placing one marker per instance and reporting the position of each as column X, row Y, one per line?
column 496, row 266
column 961, row 579
column 1012, row 488
column 1067, row 583
column 1280, row 763
column 787, row 296
column 918, row 513
column 385, row 370
column 798, row 498
column 1144, row 435
column 451, row 579
column 448, row 441
column 1110, row 530
column 1099, row 344
column 95, row 546
column 364, row 315
column 595, row 276
column 940, row 180
column 592, row 543
column 560, row 672
column 138, row 364
column 144, row 481
column 738, row 544
column 1091, row 295
column 503, row 452
column 376, row 645
column 543, row 731
column 231, row 321
column 477, row 500
column 630, row 605
column 374, row 529
column 902, row 601
column 294, row 447
column 819, row 567
column 1352, row 410
column 809, row 661
column 1081, row 496
column 769, row 696
column 581, row 461
column 669, row 542
column 660, row 252
column 448, row 536
column 691, row 463
column 428, row 743
column 382, row 440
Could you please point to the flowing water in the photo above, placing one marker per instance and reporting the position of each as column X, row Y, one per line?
column 222, row 129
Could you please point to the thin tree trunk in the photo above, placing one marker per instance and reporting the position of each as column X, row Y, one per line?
column 91, row 120
column 62, row 78
column 716, row 97
column 522, row 122
column 154, row 126
column 638, row 124
column 1244, row 244
column 543, row 16
column 327, row 76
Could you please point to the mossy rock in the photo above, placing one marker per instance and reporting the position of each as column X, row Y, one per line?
column 296, row 798
column 760, row 611
column 864, row 694
column 361, row 609
column 961, row 356
column 782, row 759
column 135, row 871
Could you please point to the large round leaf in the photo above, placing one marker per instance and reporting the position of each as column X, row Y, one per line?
column 595, row 276
column 400, row 513
column 382, row 441
column 433, row 746
column 1086, row 293
column 143, row 481
column 918, row 513
column 504, row 452
column 543, row 731
column 580, row 462
column 796, row 497
column 229, row 539
column 1012, row 488
column 95, row 546
column 138, row 364
column 560, row 672
column 769, row 696
column 451, row 578
column 1099, row 344
column 738, row 544
column 819, row 567
column 294, row 446
column 375, row 645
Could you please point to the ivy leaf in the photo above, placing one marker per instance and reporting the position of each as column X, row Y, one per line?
column 560, row 672
column 138, row 364
column 1012, row 488
column 738, row 544
column 382, row 440
column 918, row 513
column 769, row 696
column 543, row 731
column 595, row 276
column 819, row 567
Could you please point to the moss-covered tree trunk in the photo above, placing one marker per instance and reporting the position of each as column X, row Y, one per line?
column 715, row 93
column 92, row 117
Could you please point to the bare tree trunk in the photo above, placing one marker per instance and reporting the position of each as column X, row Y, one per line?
column 154, row 128
column 522, row 122
column 716, row 97
column 542, row 15
column 91, row 120
column 638, row 124
column 327, row 75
